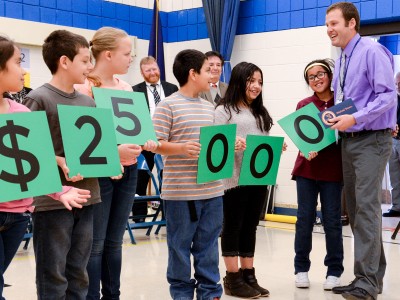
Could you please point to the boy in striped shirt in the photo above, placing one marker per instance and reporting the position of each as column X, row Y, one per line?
column 193, row 211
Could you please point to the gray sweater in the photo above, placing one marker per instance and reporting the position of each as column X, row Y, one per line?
column 246, row 124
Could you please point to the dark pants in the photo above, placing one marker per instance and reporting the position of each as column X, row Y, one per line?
column 62, row 240
column 110, row 217
column 12, row 230
column 307, row 200
column 140, row 208
column 242, row 207
column 364, row 162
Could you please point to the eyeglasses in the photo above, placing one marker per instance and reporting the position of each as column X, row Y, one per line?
column 319, row 75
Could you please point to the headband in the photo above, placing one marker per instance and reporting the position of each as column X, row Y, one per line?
column 313, row 65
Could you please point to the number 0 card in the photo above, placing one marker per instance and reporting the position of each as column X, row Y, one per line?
column 89, row 141
column 305, row 129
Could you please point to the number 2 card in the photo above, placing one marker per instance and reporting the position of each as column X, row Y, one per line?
column 89, row 141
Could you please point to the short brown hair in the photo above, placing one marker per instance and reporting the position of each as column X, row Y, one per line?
column 147, row 60
column 59, row 43
column 215, row 53
column 349, row 11
column 185, row 61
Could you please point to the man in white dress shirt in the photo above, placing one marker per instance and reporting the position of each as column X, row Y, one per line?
column 154, row 91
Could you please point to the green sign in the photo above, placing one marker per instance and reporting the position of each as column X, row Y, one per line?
column 261, row 160
column 27, row 161
column 89, row 141
column 217, row 152
column 306, row 130
column 132, row 121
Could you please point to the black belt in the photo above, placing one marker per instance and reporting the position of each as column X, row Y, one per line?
column 361, row 133
column 396, row 137
column 192, row 211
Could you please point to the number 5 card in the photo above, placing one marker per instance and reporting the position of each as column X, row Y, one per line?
column 132, row 119
column 89, row 141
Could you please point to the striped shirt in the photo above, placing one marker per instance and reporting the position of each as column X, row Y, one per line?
column 177, row 119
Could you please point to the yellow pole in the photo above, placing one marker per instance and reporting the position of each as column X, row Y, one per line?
column 281, row 218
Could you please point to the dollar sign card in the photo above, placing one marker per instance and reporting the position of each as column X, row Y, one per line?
column 27, row 161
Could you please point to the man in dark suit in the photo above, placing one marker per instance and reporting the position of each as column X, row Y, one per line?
column 217, row 88
column 155, row 91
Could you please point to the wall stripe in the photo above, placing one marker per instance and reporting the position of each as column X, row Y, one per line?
column 189, row 24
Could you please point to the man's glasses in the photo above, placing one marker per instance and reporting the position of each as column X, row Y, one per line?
column 319, row 75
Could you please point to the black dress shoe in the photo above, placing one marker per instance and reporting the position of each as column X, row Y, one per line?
column 391, row 213
column 345, row 220
column 344, row 288
column 357, row 294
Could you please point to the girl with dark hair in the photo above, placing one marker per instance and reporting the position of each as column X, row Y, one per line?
column 320, row 174
column 242, row 105
column 15, row 215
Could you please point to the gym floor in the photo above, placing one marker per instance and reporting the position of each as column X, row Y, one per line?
column 144, row 265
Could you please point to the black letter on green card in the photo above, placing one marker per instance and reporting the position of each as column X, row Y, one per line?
column 211, row 167
column 302, row 135
column 254, row 157
column 85, row 158
column 22, row 177
column 137, row 128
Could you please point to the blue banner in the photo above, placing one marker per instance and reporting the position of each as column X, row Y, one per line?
column 156, row 46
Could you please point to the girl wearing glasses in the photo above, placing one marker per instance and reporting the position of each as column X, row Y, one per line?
column 320, row 174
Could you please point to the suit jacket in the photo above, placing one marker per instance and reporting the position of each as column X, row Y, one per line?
column 207, row 95
column 168, row 89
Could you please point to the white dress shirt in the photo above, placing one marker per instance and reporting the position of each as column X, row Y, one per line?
column 150, row 95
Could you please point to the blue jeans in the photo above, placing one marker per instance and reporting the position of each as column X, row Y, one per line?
column 307, row 198
column 62, row 240
column 199, row 238
column 12, row 230
column 110, row 217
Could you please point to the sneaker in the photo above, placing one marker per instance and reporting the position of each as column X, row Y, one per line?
column 302, row 280
column 318, row 221
column 331, row 282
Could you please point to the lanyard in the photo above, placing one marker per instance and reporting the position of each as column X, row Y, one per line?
column 342, row 83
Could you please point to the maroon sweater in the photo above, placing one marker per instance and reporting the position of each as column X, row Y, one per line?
column 327, row 166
